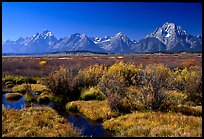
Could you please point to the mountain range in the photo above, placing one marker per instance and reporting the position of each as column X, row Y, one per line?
column 167, row 38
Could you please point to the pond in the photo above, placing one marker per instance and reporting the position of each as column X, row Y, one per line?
column 20, row 103
column 13, row 104
column 87, row 128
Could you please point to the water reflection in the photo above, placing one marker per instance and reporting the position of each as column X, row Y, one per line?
column 20, row 103
column 87, row 128
column 13, row 104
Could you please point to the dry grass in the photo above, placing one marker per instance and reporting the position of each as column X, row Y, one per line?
column 35, row 122
column 29, row 66
column 189, row 110
column 94, row 110
column 155, row 124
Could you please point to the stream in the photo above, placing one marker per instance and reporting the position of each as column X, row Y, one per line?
column 87, row 127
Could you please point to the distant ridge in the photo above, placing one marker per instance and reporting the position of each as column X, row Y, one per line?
column 169, row 38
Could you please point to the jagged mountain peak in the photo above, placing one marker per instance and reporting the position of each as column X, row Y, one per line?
column 46, row 30
column 169, row 24
column 120, row 34
column 76, row 34
column 46, row 33
column 168, row 37
column 20, row 39
column 168, row 30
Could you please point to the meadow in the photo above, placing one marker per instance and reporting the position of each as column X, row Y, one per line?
column 149, row 95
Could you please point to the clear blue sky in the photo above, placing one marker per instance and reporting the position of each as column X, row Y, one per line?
column 98, row 19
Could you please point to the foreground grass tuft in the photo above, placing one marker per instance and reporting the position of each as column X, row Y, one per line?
column 13, row 96
column 35, row 122
column 95, row 110
column 155, row 124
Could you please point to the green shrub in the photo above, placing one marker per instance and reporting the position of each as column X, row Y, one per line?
column 92, row 93
column 30, row 99
column 17, row 80
column 43, row 100
column 71, row 107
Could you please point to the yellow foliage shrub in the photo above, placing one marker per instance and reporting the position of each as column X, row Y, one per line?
column 42, row 63
column 92, row 75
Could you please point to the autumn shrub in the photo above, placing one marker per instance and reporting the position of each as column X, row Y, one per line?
column 91, row 76
column 42, row 63
column 172, row 100
column 130, row 72
column 190, row 81
column 135, row 98
column 155, row 79
column 63, row 83
column 114, row 85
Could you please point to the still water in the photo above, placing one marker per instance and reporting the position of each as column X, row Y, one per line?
column 87, row 128
column 13, row 104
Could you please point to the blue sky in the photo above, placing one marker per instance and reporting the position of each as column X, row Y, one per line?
column 97, row 19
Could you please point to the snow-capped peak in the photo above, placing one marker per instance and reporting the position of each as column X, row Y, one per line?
column 168, row 30
column 119, row 34
column 46, row 32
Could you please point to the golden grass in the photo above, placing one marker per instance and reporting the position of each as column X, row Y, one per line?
column 94, row 110
column 189, row 110
column 155, row 124
column 35, row 122
column 35, row 87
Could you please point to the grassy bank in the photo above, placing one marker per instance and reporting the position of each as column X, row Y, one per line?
column 94, row 110
column 155, row 124
column 35, row 122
